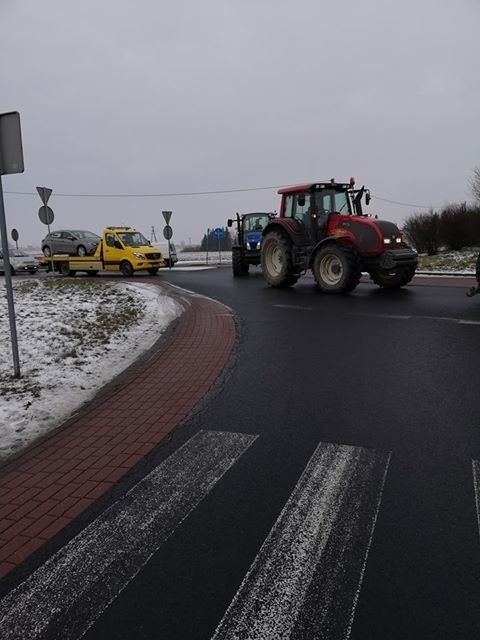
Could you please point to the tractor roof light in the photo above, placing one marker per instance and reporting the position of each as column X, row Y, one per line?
column 352, row 181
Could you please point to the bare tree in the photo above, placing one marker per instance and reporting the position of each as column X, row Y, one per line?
column 475, row 183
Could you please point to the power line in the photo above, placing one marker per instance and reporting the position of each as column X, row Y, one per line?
column 408, row 204
column 148, row 195
column 199, row 193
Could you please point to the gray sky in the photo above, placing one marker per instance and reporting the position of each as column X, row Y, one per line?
column 149, row 97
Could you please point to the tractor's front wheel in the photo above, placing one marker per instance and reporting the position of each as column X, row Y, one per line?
column 336, row 269
column 277, row 260
column 239, row 266
column 392, row 279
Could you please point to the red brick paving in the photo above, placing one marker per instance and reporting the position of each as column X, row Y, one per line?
column 43, row 489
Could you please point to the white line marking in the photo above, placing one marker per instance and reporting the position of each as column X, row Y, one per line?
column 306, row 578
column 65, row 596
column 292, row 306
column 400, row 317
column 388, row 316
column 476, row 486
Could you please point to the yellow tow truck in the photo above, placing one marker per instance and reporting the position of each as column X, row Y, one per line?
column 121, row 249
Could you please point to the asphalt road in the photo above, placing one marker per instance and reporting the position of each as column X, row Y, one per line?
column 363, row 411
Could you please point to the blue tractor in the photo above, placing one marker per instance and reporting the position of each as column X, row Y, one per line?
column 248, row 238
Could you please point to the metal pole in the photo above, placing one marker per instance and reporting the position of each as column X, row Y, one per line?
column 219, row 254
column 169, row 255
column 208, row 234
column 8, row 286
column 51, row 244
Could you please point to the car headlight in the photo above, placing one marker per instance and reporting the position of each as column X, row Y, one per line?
column 139, row 256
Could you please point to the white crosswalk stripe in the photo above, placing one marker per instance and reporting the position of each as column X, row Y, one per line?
column 65, row 596
column 306, row 578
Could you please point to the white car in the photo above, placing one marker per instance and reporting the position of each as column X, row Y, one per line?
column 169, row 259
column 19, row 263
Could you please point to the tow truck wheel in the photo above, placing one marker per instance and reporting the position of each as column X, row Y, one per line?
column 64, row 269
column 336, row 269
column 153, row 271
column 126, row 269
column 277, row 260
column 393, row 279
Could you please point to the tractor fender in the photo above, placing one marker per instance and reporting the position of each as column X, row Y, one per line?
column 336, row 239
column 288, row 226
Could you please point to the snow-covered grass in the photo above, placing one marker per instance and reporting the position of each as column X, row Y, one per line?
column 450, row 261
column 74, row 335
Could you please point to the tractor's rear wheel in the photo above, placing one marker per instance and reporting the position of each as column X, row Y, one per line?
column 239, row 266
column 277, row 260
column 336, row 269
column 477, row 269
column 393, row 279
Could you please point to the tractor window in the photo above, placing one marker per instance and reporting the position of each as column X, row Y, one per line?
column 255, row 223
column 288, row 206
column 301, row 207
column 329, row 200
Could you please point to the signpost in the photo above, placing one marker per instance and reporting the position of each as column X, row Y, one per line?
column 167, row 234
column 15, row 237
column 46, row 216
column 11, row 161
column 218, row 233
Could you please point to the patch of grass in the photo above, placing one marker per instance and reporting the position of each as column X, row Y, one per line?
column 452, row 262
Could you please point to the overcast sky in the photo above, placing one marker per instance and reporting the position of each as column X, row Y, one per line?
column 153, row 97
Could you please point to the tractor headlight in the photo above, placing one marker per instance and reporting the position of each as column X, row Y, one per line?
column 387, row 241
column 398, row 239
column 139, row 256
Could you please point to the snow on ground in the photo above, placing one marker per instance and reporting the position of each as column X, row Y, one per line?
column 74, row 336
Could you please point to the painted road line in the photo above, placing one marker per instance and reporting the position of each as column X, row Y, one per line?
column 387, row 316
column 401, row 317
column 65, row 596
column 476, row 486
column 306, row 578
column 292, row 306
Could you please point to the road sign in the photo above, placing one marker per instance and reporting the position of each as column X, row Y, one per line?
column 167, row 232
column 11, row 152
column 46, row 215
column 14, row 235
column 218, row 233
column 44, row 194
column 167, row 215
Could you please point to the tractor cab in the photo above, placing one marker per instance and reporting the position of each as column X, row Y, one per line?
column 312, row 204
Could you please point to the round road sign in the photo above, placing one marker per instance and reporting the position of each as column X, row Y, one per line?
column 14, row 235
column 218, row 232
column 167, row 232
column 46, row 215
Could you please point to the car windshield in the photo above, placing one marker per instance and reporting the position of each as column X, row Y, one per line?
column 133, row 239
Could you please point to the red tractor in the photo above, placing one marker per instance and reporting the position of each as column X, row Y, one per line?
column 321, row 227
